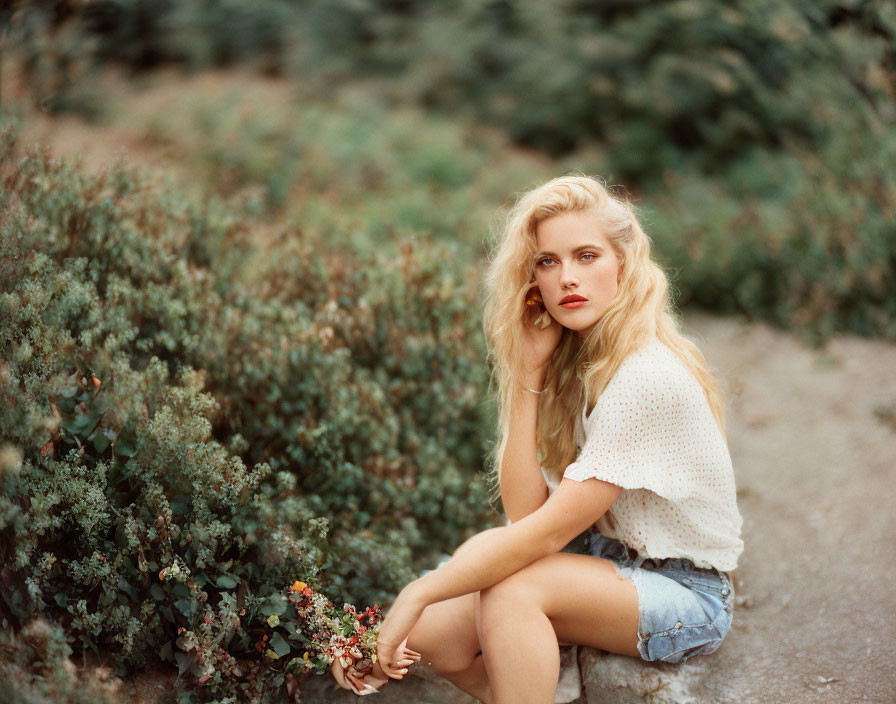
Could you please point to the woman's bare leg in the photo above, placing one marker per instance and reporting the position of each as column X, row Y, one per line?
column 570, row 598
column 446, row 637
column 473, row 680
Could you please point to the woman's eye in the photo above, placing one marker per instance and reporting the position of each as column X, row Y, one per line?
column 544, row 262
column 588, row 256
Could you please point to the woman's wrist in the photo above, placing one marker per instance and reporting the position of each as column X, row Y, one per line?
column 415, row 593
column 533, row 383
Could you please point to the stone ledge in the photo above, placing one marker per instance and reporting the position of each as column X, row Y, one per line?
column 421, row 686
column 606, row 679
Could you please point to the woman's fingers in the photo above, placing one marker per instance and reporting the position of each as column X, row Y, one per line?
column 357, row 682
column 403, row 648
column 373, row 681
column 353, row 681
column 338, row 673
column 395, row 671
column 364, row 684
column 396, row 661
column 392, row 659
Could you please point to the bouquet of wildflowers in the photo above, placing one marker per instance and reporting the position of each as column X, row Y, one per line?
column 308, row 635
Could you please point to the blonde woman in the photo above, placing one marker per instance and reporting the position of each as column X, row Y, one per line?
column 609, row 420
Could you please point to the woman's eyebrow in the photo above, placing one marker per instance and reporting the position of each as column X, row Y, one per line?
column 583, row 247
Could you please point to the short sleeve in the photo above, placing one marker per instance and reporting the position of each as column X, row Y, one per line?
column 643, row 431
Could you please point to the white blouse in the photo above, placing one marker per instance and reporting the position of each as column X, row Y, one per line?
column 652, row 433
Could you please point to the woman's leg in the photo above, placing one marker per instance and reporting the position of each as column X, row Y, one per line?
column 562, row 597
column 446, row 637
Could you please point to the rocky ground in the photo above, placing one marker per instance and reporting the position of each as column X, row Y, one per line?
column 812, row 434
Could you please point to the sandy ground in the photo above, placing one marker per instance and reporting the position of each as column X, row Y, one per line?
column 814, row 464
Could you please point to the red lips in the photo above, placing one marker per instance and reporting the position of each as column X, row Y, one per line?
column 572, row 298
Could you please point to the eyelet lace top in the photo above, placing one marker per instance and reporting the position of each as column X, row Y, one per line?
column 652, row 433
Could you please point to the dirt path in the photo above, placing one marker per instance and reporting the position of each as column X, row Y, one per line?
column 816, row 478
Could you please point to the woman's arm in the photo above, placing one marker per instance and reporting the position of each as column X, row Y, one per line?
column 523, row 489
column 491, row 557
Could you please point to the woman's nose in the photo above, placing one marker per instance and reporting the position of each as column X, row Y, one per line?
column 568, row 276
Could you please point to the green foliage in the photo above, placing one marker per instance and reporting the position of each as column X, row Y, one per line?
column 779, row 111
column 807, row 243
column 35, row 669
column 182, row 438
column 758, row 133
column 798, row 237
column 658, row 84
column 341, row 165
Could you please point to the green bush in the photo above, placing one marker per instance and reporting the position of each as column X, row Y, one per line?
column 183, row 437
column 697, row 81
column 35, row 668
column 757, row 133
column 808, row 243
column 801, row 238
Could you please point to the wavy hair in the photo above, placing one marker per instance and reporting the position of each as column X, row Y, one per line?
column 579, row 369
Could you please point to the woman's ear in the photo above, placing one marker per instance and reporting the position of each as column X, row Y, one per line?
column 533, row 295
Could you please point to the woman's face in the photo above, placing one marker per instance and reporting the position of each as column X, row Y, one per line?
column 576, row 269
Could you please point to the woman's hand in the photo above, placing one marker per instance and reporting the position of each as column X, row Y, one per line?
column 393, row 654
column 541, row 334
column 360, row 682
column 366, row 677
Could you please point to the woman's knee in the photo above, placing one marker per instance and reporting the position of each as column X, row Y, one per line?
column 527, row 582
column 509, row 596
column 446, row 635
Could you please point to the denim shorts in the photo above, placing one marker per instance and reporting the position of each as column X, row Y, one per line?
column 683, row 610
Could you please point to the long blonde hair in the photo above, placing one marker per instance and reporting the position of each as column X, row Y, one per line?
column 579, row 369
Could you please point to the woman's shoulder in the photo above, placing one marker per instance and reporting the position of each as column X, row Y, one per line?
column 650, row 382
column 652, row 368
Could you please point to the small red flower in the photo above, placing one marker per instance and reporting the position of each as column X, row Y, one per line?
column 96, row 382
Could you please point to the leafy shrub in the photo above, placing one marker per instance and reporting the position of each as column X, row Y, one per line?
column 657, row 84
column 745, row 127
column 35, row 669
column 179, row 448
column 807, row 243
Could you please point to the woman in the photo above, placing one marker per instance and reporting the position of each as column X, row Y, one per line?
column 609, row 419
